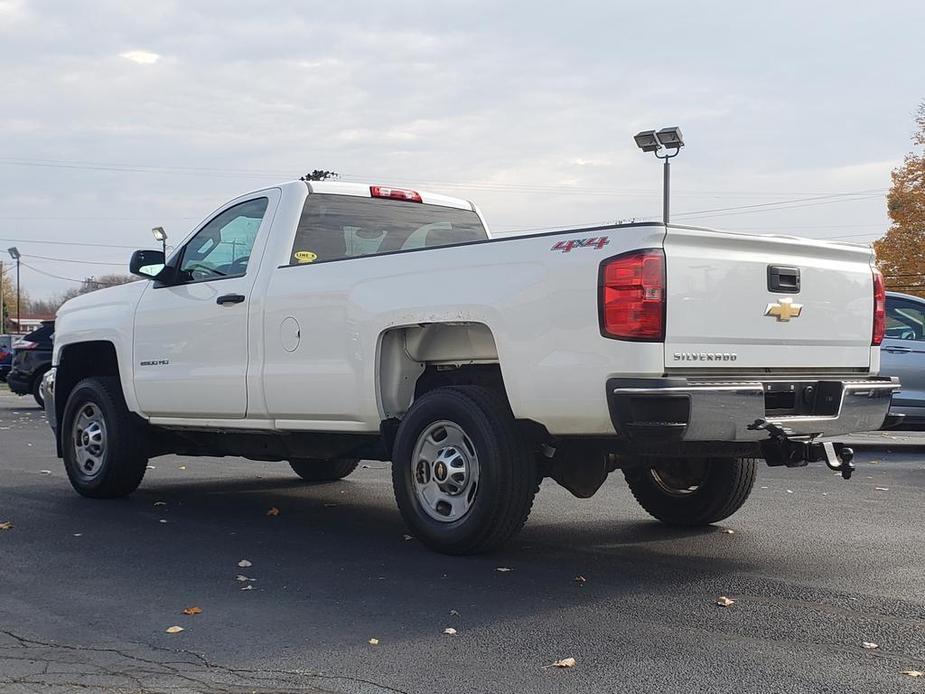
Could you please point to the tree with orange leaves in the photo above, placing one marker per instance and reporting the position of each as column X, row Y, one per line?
column 901, row 251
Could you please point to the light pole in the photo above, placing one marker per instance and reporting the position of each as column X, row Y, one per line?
column 161, row 235
column 669, row 140
column 14, row 254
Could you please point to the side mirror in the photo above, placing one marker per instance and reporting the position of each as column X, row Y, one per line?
column 148, row 264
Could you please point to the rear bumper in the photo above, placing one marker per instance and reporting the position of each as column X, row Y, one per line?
column 19, row 383
column 675, row 409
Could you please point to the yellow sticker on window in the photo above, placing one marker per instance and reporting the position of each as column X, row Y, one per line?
column 305, row 256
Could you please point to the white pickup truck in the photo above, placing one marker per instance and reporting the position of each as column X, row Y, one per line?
column 321, row 323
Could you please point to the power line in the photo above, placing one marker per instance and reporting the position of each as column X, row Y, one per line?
column 68, row 243
column 71, row 260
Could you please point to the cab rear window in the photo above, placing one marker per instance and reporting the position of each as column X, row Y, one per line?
column 333, row 227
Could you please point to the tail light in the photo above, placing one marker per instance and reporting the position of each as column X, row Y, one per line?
column 632, row 298
column 879, row 309
column 25, row 344
column 395, row 193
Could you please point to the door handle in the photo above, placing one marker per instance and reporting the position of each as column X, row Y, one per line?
column 229, row 299
column 898, row 350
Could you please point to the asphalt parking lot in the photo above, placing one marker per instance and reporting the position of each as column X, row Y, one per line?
column 816, row 566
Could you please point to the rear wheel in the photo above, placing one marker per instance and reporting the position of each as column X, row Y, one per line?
column 464, row 479
column 104, row 445
column 312, row 470
column 692, row 491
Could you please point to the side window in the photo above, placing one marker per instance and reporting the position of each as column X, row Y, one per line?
column 905, row 321
column 222, row 248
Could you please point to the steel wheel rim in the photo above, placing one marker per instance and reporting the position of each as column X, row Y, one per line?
column 445, row 471
column 88, row 435
column 680, row 478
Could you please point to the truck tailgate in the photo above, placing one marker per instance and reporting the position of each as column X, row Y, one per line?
column 734, row 303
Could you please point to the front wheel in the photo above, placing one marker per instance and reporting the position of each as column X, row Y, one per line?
column 691, row 491
column 104, row 445
column 312, row 470
column 463, row 477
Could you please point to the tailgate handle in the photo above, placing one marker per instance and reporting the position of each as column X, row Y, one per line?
column 783, row 279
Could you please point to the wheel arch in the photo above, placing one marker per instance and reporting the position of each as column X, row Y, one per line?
column 77, row 361
column 415, row 359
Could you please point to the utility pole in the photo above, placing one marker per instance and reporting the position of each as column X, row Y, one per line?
column 15, row 255
column 2, row 318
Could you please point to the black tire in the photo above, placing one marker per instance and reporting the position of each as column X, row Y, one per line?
column 506, row 481
column 37, row 390
column 718, row 488
column 312, row 470
column 123, row 457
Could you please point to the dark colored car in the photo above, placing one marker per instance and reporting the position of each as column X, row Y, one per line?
column 6, row 355
column 31, row 359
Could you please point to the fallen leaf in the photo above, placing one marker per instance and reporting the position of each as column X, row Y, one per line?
column 174, row 630
column 869, row 645
column 44, row 472
column 728, row 531
column 882, row 489
column 243, row 578
column 449, row 631
column 374, row 642
column 192, row 610
column 248, row 587
column 580, row 580
column 503, row 569
column 244, row 563
column 160, row 503
column 723, row 601
column 913, row 673
column 273, row 511
column 564, row 663
column 6, row 525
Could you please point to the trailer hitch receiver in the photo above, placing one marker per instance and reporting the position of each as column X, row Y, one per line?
column 781, row 449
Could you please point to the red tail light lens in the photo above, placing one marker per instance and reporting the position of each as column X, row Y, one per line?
column 632, row 299
column 395, row 193
column 879, row 309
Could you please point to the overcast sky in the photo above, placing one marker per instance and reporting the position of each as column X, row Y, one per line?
column 116, row 116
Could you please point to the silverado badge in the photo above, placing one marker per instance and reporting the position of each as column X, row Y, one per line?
column 784, row 309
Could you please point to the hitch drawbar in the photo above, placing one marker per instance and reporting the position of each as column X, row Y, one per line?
column 780, row 449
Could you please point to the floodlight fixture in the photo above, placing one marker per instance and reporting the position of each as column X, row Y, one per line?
column 670, row 138
column 647, row 141
column 14, row 253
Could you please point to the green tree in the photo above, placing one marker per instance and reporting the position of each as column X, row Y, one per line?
column 901, row 251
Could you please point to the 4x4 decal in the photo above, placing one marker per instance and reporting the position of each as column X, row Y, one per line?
column 597, row 242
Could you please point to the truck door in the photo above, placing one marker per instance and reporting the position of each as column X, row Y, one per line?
column 191, row 346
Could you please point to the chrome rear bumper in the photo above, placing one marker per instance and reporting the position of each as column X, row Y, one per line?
column 675, row 409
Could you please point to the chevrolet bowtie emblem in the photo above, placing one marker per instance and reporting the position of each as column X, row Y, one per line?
column 784, row 309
